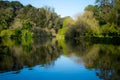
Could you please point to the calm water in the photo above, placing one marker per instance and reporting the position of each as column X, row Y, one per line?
column 58, row 60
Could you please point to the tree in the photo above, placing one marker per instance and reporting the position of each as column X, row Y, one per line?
column 109, row 10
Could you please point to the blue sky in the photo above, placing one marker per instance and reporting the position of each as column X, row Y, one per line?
column 62, row 7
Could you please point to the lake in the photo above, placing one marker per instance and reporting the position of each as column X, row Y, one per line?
column 58, row 60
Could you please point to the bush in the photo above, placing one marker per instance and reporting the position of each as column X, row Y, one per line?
column 77, row 30
column 6, row 33
column 110, row 30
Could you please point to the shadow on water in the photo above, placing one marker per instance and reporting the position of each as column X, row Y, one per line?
column 14, row 56
column 104, row 40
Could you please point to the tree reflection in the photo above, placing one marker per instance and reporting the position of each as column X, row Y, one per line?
column 104, row 58
column 79, row 47
column 107, row 64
column 15, row 57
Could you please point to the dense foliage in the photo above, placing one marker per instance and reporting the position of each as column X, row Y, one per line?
column 102, row 20
column 15, row 18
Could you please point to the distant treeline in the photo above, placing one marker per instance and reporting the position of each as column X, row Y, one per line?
column 100, row 20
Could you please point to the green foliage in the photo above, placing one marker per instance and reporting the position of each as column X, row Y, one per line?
column 44, row 17
column 109, row 10
column 100, row 20
column 17, row 33
column 17, row 24
column 8, row 11
column 13, row 15
column 89, row 18
column 6, row 16
column 76, row 30
column 67, row 22
column 6, row 33
column 85, row 26
column 26, row 37
column 27, row 25
column 106, row 12
column 110, row 30
column 26, row 34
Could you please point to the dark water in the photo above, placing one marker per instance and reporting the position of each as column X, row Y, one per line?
column 58, row 60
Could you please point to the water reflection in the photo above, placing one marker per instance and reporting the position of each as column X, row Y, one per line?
column 52, row 59
column 108, row 62
column 104, row 58
column 14, row 57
